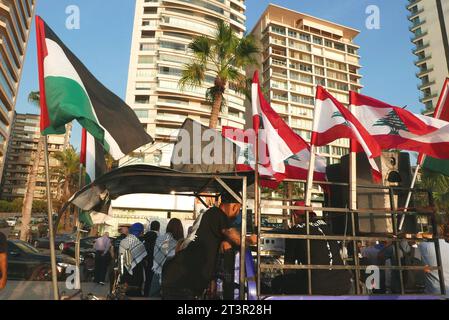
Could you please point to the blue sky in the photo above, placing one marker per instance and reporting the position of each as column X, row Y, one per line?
column 103, row 43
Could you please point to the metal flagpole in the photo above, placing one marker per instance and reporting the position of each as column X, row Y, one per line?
column 257, row 217
column 78, row 235
column 309, row 183
column 54, row 274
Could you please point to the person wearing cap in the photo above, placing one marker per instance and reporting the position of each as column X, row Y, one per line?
column 323, row 252
column 132, row 252
column 189, row 273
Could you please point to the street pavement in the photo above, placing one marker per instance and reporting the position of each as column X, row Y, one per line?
column 42, row 290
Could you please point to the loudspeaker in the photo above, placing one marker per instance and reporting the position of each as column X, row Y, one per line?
column 396, row 171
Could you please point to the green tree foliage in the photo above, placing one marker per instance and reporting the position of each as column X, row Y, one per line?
column 225, row 56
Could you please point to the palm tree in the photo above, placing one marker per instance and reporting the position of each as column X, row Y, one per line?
column 27, row 207
column 224, row 56
column 67, row 176
column 439, row 184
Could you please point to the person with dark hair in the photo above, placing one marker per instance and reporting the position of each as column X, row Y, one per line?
column 323, row 252
column 132, row 252
column 165, row 249
column 3, row 261
column 149, row 241
column 189, row 273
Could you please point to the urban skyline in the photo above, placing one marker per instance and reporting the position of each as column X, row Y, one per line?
column 394, row 32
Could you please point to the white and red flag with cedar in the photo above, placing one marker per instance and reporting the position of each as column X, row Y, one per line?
column 332, row 121
column 296, row 166
column 277, row 141
column 396, row 128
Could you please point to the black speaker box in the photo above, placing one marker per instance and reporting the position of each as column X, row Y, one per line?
column 396, row 171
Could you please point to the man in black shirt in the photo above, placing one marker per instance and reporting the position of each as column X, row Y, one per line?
column 323, row 252
column 190, row 272
column 3, row 260
column 149, row 241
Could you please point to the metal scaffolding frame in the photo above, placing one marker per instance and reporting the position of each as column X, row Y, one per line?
column 394, row 237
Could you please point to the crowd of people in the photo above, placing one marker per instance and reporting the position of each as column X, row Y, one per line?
column 175, row 266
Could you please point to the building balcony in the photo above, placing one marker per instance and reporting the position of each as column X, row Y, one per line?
column 413, row 27
column 423, row 72
column 414, row 14
column 411, row 3
column 425, row 85
column 422, row 60
column 420, row 48
column 427, row 98
column 417, row 37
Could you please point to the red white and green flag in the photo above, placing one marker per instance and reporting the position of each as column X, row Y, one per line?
column 332, row 121
column 396, row 128
column 92, row 156
column 441, row 113
column 69, row 91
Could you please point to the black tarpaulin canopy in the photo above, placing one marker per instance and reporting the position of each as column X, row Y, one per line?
column 143, row 178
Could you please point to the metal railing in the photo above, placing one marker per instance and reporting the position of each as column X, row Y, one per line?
column 353, row 236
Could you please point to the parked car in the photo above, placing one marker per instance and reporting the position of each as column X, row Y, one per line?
column 60, row 239
column 38, row 227
column 28, row 263
column 3, row 224
column 12, row 221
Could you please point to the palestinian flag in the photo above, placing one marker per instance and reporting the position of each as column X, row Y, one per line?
column 69, row 91
column 92, row 157
column 442, row 113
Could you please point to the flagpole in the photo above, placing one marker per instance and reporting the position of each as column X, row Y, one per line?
column 257, row 219
column 78, row 234
column 54, row 274
column 309, row 183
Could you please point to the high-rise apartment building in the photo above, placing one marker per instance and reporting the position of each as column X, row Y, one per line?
column 162, row 31
column 15, row 23
column 430, row 27
column 299, row 52
column 20, row 157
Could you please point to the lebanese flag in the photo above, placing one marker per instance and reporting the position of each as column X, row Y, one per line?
column 69, row 91
column 296, row 166
column 441, row 113
column 280, row 140
column 396, row 128
column 332, row 121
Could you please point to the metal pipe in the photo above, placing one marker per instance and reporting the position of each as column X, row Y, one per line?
column 54, row 272
column 243, row 241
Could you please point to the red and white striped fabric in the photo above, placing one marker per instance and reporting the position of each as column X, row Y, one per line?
column 280, row 140
column 296, row 166
column 396, row 128
column 332, row 121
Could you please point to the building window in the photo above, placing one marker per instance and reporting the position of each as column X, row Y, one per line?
column 148, row 34
column 145, row 59
column 147, row 46
column 150, row 10
column 142, row 100
column 141, row 114
column 318, row 40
